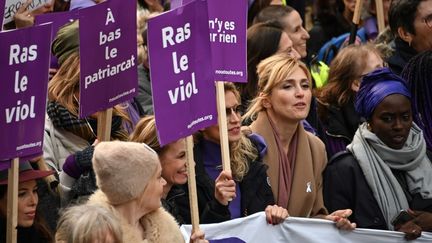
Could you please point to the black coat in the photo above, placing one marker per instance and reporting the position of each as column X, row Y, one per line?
column 255, row 190
column 345, row 187
column 401, row 55
column 24, row 235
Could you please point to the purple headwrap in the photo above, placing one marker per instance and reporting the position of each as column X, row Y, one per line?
column 374, row 87
column 78, row 4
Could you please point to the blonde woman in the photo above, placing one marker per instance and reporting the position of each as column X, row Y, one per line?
column 173, row 161
column 296, row 158
column 225, row 195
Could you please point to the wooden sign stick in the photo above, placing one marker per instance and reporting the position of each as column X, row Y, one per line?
column 223, row 129
column 193, row 200
column 12, row 202
column 104, row 125
column 356, row 21
column 380, row 15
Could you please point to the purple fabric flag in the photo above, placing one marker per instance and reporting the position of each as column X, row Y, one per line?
column 24, row 63
column 108, row 55
column 182, row 78
column 228, row 25
column 58, row 19
column 2, row 6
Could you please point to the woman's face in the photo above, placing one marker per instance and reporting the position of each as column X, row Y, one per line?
column 294, row 28
column 151, row 197
column 173, row 161
column 350, row 5
column 27, row 203
column 392, row 120
column 233, row 121
column 286, row 45
column 422, row 40
column 373, row 61
column 290, row 99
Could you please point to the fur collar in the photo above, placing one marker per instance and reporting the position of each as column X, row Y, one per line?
column 159, row 225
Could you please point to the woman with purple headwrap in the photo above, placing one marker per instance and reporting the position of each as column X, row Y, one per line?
column 386, row 168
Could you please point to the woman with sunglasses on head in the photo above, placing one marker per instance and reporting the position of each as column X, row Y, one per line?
column 225, row 195
column 31, row 227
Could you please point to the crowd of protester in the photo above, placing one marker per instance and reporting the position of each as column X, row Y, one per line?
column 354, row 147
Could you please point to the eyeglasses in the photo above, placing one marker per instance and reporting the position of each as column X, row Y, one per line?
column 232, row 110
column 428, row 20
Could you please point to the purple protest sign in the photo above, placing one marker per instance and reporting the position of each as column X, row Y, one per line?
column 227, row 25
column 182, row 78
column 108, row 55
column 2, row 6
column 57, row 20
column 24, row 63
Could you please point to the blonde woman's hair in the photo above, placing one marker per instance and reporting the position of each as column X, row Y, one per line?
column 145, row 132
column 271, row 71
column 242, row 150
column 86, row 224
column 62, row 89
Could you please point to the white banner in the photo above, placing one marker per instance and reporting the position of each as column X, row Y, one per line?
column 254, row 228
column 12, row 7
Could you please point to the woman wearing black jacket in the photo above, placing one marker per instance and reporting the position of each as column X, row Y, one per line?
column 225, row 195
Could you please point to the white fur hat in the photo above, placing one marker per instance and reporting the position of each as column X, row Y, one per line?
column 123, row 169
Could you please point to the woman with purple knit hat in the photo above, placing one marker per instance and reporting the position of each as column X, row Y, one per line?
column 386, row 168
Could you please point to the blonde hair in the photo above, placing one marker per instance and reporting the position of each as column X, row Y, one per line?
column 271, row 71
column 242, row 150
column 62, row 89
column 145, row 132
column 87, row 223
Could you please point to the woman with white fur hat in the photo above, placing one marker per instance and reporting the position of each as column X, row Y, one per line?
column 128, row 175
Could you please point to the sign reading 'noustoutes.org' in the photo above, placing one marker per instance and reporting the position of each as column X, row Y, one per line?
column 24, row 64
column 182, row 79
column 108, row 55
column 227, row 22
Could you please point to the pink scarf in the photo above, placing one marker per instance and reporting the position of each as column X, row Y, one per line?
column 286, row 166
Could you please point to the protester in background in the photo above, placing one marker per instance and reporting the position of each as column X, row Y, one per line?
column 68, row 139
column 336, row 100
column 88, row 224
column 263, row 40
column 290, row 21
column 329, row 22
column 386, row 168
column 371, row 23
column 418, row 75
column 144, row 96
column 254, row 7
column 132, row 191
column 296, row 158
column 31, row 226
column 173, row 161
column 411, row 23
column 48, row 192
column 224, row 195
